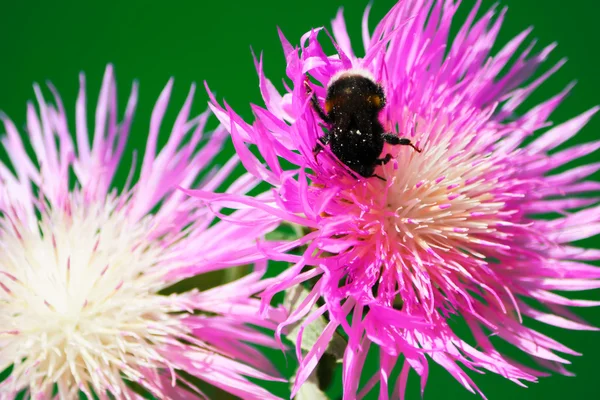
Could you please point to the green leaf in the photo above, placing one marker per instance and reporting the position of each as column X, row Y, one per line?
column 310, row 389
column 321, row 377
column 293, row 298
column 286, row 231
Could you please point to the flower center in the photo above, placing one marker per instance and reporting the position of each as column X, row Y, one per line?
column 78, row 296
column 440, row 199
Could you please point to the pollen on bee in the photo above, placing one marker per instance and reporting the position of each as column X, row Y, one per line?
column 375, row 100
column 336, row 101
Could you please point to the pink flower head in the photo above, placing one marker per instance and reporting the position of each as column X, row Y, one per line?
column 449, row 232
column 85, row 268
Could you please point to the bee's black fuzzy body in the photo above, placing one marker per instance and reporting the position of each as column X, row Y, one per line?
column 355, row 134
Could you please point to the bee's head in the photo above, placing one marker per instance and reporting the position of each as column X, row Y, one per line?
column 354, row 89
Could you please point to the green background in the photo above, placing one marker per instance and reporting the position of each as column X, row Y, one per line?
column 196, row 41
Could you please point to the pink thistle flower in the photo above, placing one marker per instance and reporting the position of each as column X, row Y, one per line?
column 450, row 231
column 85, row 267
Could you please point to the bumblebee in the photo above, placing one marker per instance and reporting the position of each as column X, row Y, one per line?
column 354, row 133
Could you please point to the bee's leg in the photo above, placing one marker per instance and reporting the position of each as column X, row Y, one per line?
column 323, row 141
column 385, row 160
column 320, row 112
column 396, row 140
column 382, row 161
column 318, row 148
column 316, row 106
